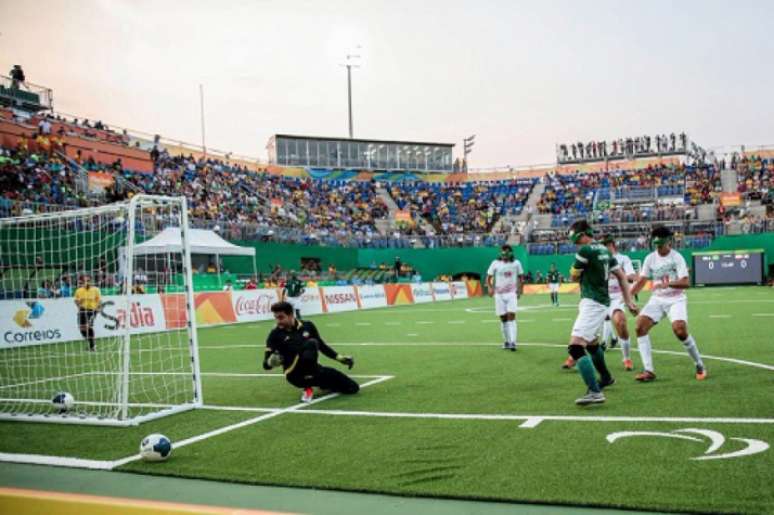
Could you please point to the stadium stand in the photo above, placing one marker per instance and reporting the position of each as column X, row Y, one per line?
column 50, row 162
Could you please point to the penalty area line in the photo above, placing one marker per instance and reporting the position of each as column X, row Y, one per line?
column 248, row 422
column 528, row 421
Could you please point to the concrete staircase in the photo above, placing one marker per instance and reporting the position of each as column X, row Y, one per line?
column 393, row 207
column 728, row 180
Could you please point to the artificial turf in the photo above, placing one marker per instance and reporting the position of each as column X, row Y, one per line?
column 445, row 359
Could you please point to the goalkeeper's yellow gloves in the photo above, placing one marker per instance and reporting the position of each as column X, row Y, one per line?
column 346, row 360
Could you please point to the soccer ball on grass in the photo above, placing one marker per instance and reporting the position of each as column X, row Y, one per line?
column 63, row 402
column 155, row 447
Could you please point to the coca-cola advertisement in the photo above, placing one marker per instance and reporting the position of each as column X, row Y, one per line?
column 252, row 305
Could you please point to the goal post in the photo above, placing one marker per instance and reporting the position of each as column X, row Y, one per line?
column 129, row 357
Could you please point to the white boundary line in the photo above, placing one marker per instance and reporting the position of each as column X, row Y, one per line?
column 753, row 364
column 530, row 421
column 61, row 461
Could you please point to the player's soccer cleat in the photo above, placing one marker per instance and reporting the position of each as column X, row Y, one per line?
column 505, row 346
column 645, row 376
column 92, row 348
column 613, row 343
column 512, row 347
column 701, row 373
column 568, row 363
column 591, row 398
column 610, row 382
column 308, row 395
column 628, row 365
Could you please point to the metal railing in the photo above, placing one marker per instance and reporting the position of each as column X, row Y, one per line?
column 25, row 94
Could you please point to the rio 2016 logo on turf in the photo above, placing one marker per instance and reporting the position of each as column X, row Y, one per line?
column 716, row 441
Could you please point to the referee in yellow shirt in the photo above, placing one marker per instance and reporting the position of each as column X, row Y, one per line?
column 87, row 299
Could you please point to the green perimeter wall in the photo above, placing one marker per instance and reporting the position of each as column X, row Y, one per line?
column 434, row 262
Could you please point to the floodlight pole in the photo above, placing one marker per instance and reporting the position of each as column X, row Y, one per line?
column 201, row 109
column 349, row 66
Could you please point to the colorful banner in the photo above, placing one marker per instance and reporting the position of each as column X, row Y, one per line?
column 100, row 181
column 403, row 216
column 398, row 294
column 339, row 298
column 214, row 308
column 422, row 292
column 254, row 305
column 441, row 291
column 474, row 288
column 459, row 290
column 731, row 199
column 371, row 296
column 530, row 289
column 43, row 321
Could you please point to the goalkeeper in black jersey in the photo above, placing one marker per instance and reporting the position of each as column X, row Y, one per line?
column 296, row 345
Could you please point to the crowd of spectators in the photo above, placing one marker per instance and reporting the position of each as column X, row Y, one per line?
column 622, row 148
column 576, row 194
column 454, row 209
column 755, row 178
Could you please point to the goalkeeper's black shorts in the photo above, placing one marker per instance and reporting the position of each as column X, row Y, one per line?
column 325, row 378
column 86, row 316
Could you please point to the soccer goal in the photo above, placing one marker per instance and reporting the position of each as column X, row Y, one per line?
column 124, row 357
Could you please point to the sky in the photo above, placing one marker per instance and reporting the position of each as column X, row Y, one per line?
column 521, row 76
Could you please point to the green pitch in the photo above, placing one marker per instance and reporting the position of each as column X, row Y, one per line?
column 448, row 413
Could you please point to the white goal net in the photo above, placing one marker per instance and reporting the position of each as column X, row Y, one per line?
column 124, row 348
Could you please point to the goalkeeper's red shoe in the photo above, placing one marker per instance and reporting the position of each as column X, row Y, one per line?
column 568, row 363
column 628, row 365
column 308, row 395
column 701, row 373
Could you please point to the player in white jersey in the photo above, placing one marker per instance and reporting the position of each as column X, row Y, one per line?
column 616, row 315
column 669, row 274
column 503, row 280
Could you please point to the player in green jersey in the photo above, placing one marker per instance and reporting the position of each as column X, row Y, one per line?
column 593, row 266
column 292, row 292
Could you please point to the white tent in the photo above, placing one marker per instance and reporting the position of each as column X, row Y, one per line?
column 202, row 241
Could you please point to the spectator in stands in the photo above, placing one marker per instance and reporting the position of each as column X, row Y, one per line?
column 251, row 284
column 228, row 286
column 17, row 76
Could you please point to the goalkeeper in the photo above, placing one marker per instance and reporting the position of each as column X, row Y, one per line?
column 295, row 345
column 87, row 298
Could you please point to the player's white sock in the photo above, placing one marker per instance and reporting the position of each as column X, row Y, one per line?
column 625, row 348
column 504, row 329
column 607, row 331
column 643, row 344
column 512, row 331
column 693, row 350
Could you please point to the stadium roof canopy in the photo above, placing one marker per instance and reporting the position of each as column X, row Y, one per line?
column 361, row 140
column 202, row 242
